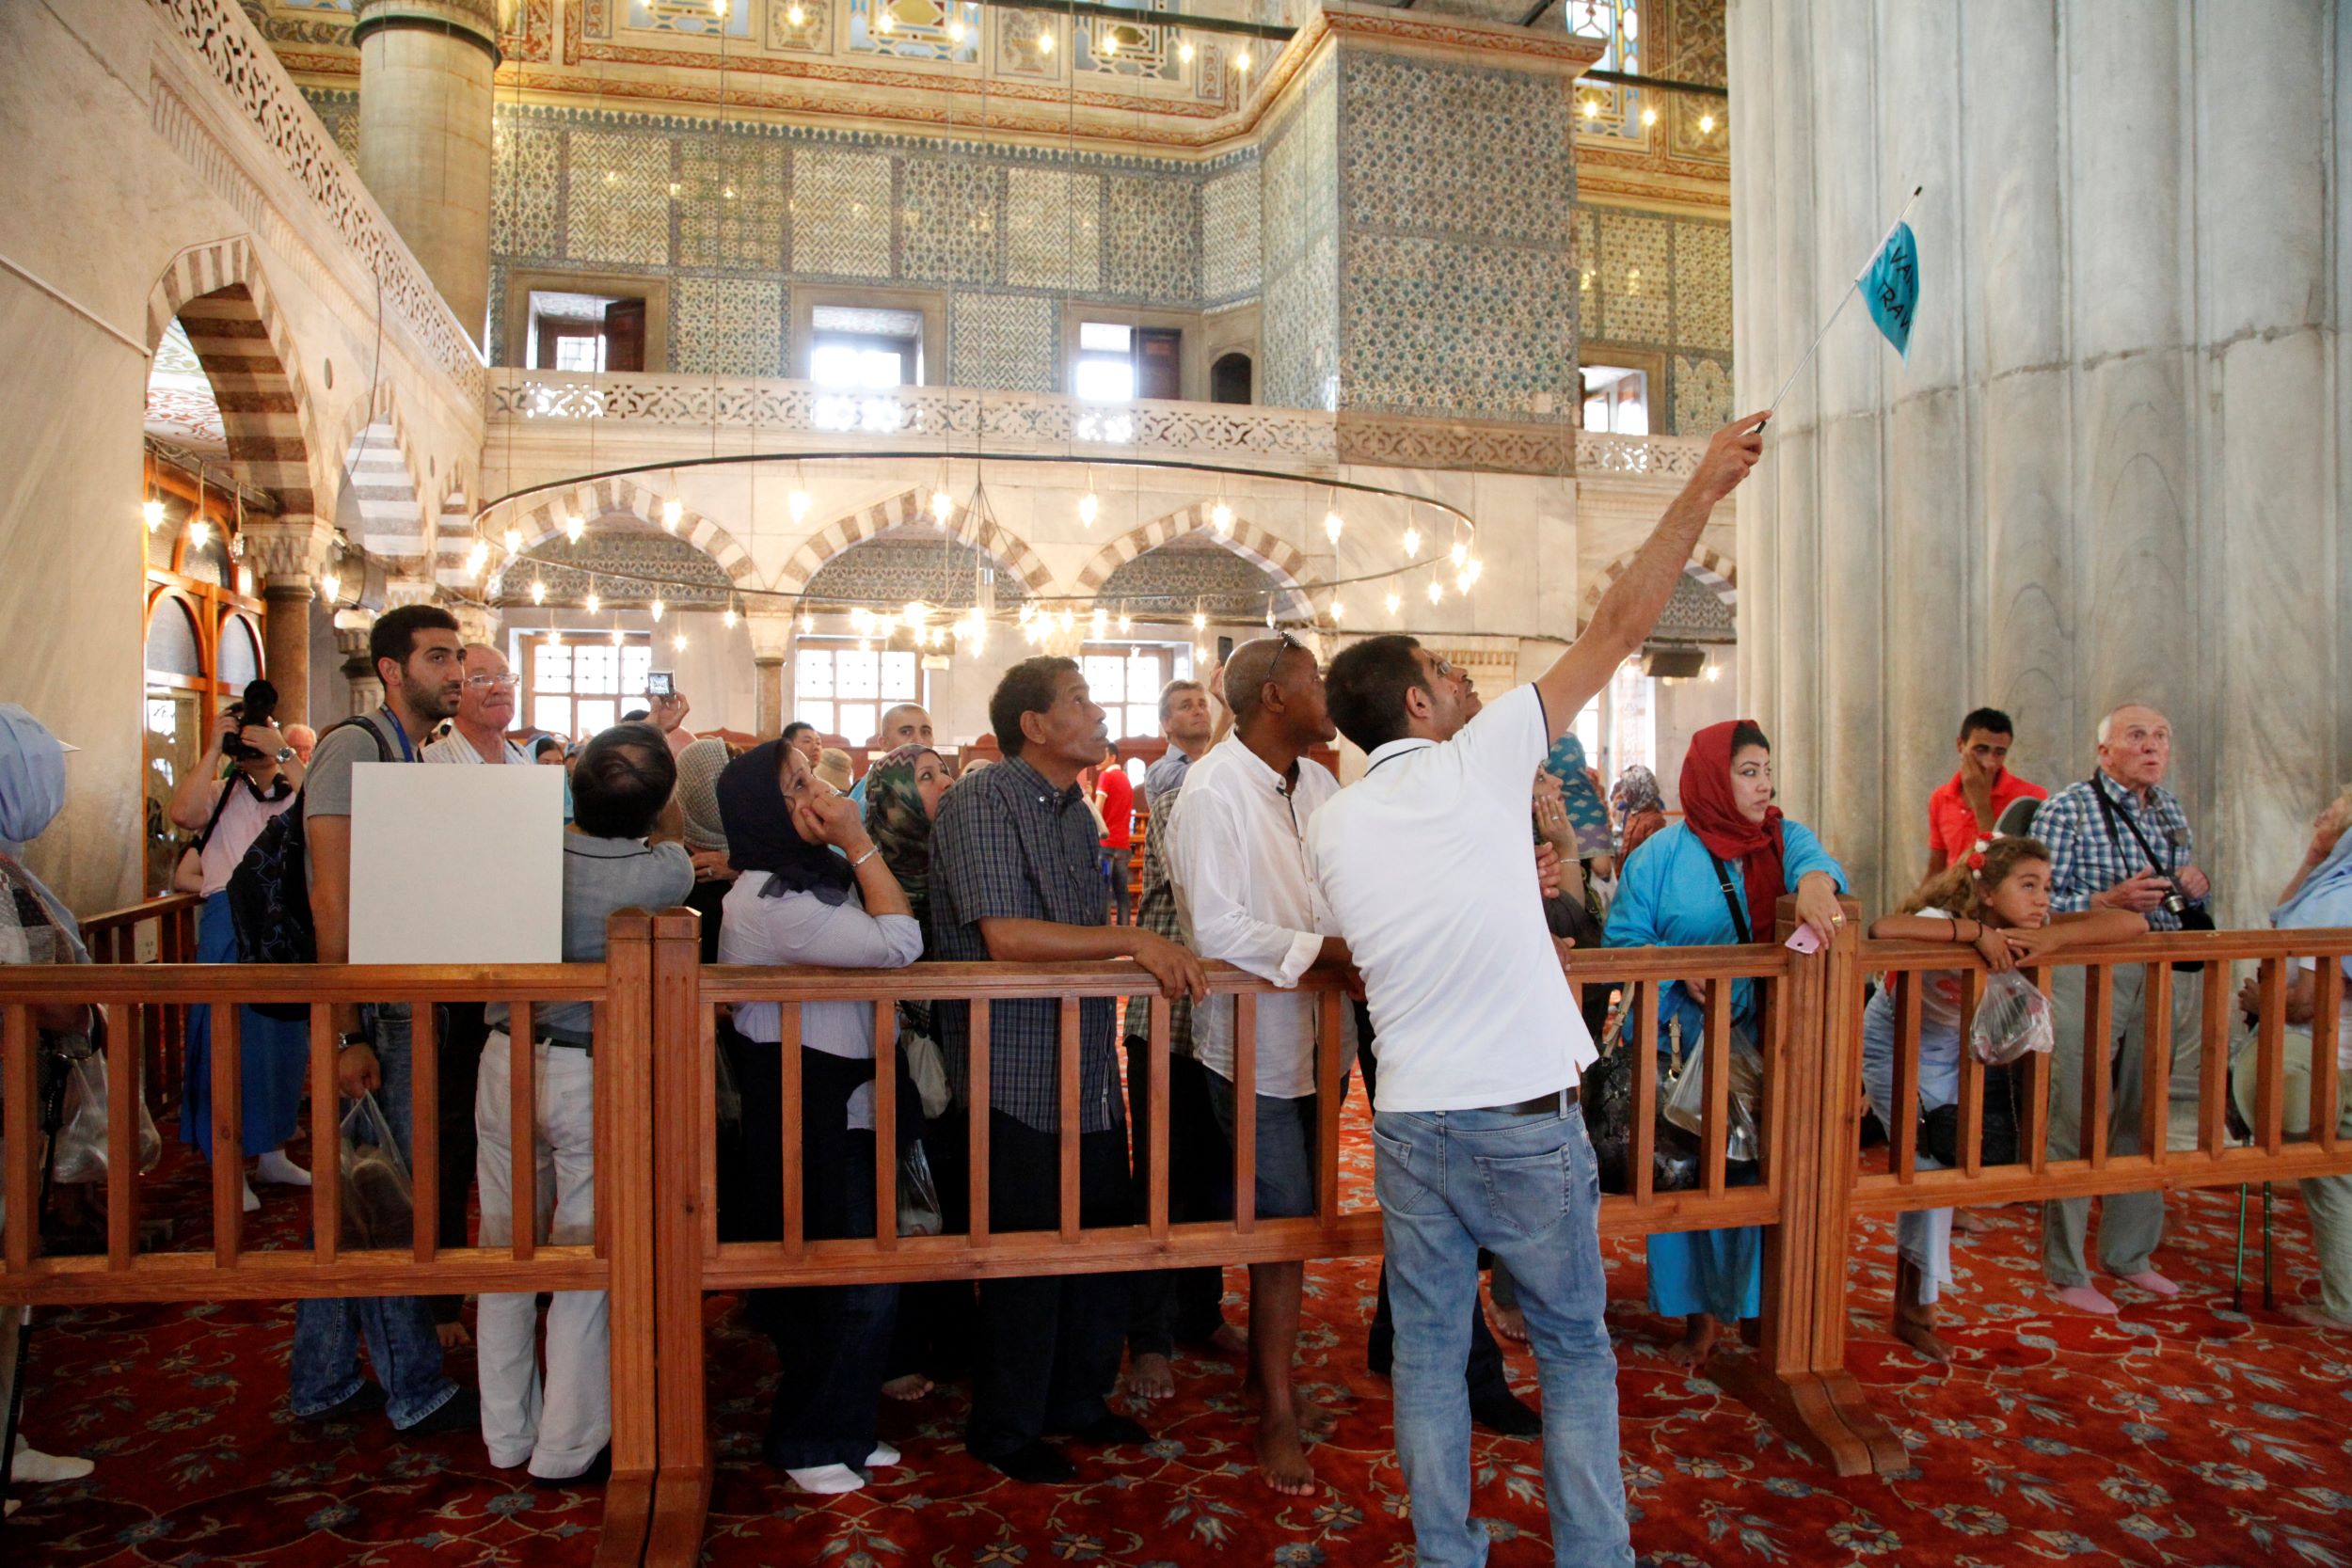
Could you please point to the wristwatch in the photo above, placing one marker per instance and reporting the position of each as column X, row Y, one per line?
column 351, row 1037
column 285, row 754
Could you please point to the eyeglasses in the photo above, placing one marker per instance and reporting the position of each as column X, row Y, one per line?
column 493, row 683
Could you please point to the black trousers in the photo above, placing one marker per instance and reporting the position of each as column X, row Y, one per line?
column 1046, row 1350
column 458, row 1058
column 1484, row 1371
column 1166, row 1305
column 704, row 900
column 830, row 1340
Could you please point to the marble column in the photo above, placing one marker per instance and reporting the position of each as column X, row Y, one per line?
column 772, row 669
column 2113, row 467
column 287, row 558
column 366, row 691
column 425, row 101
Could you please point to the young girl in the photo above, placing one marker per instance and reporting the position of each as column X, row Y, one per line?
column 1996, row 900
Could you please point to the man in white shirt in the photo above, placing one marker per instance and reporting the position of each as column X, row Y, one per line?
column 485, row 709
column 1237, row 860
column 1476, row 1136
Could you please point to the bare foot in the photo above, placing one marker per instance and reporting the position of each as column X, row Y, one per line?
column 2315, row 1315
column 2148, row 1280
column 1969, row 1223
column 1919, row 1334
column 452, row 1335
column 1150, row 1377
column 913, row 1386
column 2088, row 1298
column 1281, row 1458
column 1511, row 1324
column 1698, row 1342
column 1232, row 1340
column 1313, row 1420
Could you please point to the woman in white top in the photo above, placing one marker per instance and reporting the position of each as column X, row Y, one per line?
column 228, row 810
column 1997, row 901
column 794, row 901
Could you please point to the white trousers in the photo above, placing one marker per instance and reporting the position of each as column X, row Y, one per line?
column 560, row 1432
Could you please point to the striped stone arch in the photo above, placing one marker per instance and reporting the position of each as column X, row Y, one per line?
column 1715, row 569
column 1280, row 559
column 240, row 338
column 908, row 509
column 601, row 499
column 394, row 521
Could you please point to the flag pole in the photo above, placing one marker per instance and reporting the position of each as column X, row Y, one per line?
column 1843, row 300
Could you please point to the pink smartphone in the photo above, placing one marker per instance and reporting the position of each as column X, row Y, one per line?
column 1806, row 941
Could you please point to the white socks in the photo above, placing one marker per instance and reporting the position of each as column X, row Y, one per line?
column 252, row 1202
column 34, row 1465
column 827, row 1478
column 275, row 1169
column 882, row 1457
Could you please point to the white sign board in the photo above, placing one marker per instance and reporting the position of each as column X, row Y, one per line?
column 456, row 865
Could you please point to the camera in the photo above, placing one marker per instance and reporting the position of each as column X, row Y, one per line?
column 259, row 705
column 2175, row 905
column 661, row 683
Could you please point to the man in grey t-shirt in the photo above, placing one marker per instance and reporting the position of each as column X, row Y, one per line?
column 417, row 657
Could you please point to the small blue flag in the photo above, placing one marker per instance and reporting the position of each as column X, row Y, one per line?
column 1892, row 287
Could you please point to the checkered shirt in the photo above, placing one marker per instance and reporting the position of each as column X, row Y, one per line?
column 2086, row 858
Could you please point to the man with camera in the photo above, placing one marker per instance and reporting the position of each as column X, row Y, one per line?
column 248, row 774
column 2119, row 841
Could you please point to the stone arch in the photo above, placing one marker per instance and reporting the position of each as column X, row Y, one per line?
column 622, row 492
column 388, row 516
column 907, row 509
column 1713, row 567
column 231, row 318
column 1282, row 561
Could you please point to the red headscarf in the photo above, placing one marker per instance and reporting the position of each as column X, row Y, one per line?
column 1708, row 811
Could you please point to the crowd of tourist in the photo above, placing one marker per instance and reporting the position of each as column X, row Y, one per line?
column 1444, row 890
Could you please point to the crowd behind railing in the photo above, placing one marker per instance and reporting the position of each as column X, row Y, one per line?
column 937, row 1105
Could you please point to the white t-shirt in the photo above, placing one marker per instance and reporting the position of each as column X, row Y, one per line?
column 1428, row 864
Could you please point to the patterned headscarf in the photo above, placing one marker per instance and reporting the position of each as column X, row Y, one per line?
column 1637, row 790
column 698, row 769
column 896, row 820
column 32, row 776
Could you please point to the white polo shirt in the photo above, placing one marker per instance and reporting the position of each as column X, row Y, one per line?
column 1428, row 864
column 1237, row 856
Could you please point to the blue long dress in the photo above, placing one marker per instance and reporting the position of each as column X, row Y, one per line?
column 1668, row 896
column 273, row 1060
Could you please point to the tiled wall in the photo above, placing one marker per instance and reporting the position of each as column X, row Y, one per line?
column 1661, row 283
column 1300, row 225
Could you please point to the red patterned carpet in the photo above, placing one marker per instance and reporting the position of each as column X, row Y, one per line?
column 2184, row 1434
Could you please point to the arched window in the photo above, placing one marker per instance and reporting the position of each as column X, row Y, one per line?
column 240, row 653
column 1229, row 379
column 173, row 647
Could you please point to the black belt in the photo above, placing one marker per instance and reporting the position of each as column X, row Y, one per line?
column 1555, row 1103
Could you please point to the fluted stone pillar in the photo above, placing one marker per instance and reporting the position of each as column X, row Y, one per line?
column 771, row 668
column 2115, row 467
column 425, row 99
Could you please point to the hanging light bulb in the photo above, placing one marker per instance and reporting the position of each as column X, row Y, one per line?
column 1412, row 542
column 798, row 503
column 1110, row 42
column 1222, row 517
column 729, row 618
column 1028, row 613
column 672, row 511
column 884, row 21
column 678, row 641
column 1089, row 507
column 1592, row 108
column 1339, row 612
column 1333, row 526
column 1458, row 554
column 1100, row 621
column 513, row 539
column 1045, row 42
column 330, row 584
column 1241, row 60
column 574, row 526
column 943, row 506
column 917, row 614
column 1649, row 116
column 1471, row 570
column 796, row 16
column 1069, row 620
column 1199, row 621
column 1396, row 602
column 1184, row 51
column 595, row 602
column 477, row 557
column 1707, row 125
column 538, row 591
column 200, row 533
column 656, row 609
column 619, row 637
column 555, row 636
column 955, row 30
column 1126, row 623
column 151, row 513
column 1437, row 590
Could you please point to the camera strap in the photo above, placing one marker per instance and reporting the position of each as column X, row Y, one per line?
column 2107, row 809
column 1731, row 900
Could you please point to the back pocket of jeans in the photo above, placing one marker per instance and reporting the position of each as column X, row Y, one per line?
column 1526, row 1193
column 1404, row 1176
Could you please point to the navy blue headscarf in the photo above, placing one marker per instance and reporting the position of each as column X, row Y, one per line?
column 760, row 835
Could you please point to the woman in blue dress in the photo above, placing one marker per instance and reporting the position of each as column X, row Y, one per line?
column 1711, row 879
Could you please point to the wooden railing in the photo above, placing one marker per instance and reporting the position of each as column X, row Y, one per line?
column 159, row 930
column 658, row 1249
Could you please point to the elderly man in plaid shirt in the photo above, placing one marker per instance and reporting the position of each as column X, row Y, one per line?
column 2118, row 841
column 1014, row 878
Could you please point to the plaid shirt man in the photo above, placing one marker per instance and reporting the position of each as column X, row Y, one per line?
column 1156, row 913
column 2090, row 853
column 1008, row 846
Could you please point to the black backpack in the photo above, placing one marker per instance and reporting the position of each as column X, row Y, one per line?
column 269, row 892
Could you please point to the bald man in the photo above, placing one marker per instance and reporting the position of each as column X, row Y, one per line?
column 2119, row 841
column 486, row 709
column 906, row 725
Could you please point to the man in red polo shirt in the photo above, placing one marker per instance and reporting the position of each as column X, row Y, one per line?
column 1964, row 810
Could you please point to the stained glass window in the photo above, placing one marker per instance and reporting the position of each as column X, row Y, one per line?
column 1603, row 109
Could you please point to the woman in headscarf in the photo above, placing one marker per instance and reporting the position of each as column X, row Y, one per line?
column 902, row 795
column 1641, row 809
column 794, row 901
column 34, row 929
column 2319, row 896
column 698, row 769
column 1713, row 878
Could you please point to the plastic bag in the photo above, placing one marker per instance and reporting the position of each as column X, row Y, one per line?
column 1683, row 1102
column 81, row 1147
column 929, row 1070
column 379, row 1206
column 919, row 1214
column 2013, row 1019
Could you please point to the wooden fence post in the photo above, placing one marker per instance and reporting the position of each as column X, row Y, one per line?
column 682, row 1083
column 1798, row 1377
column 625, row 1063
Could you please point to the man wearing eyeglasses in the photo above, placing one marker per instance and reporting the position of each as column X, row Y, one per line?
column 485, row 707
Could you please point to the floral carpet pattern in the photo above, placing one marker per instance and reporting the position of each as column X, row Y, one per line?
column 2184, row 1433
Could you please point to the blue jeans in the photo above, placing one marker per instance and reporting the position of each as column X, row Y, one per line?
column 401, row 1344
column 1286, row 1148
column 1526, row 1189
